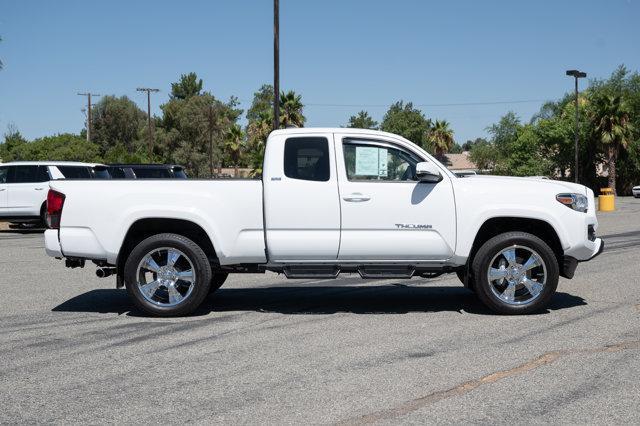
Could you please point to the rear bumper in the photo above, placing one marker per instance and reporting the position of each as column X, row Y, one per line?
column 51, row 243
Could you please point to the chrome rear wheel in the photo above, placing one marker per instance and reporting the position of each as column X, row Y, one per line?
column 166, row 276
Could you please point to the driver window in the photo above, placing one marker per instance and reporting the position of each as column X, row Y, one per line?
column 367, row 161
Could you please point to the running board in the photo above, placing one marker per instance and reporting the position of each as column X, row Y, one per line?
column 311, row 271
column 386, row 271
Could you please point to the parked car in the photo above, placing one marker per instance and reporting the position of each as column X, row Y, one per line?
column 146, row 171
column 464, row 173
column 636, row 191
column 330, row 201
column 23, row 186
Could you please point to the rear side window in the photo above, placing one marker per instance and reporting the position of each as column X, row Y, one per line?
column 28, row 174
column 75, row 172
column 117, row 173
column 307, row 159
column 4, row 171
column 100, row 172
column 179, row 173
column 151, row 173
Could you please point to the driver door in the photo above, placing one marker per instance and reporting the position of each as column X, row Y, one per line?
column 386, row 214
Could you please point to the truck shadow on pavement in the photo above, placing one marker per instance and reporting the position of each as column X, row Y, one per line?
column 314, row 300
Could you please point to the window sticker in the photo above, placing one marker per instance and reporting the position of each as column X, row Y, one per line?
column 371, row 161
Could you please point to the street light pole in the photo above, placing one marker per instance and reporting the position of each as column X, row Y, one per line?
column 148, row 90
column 276, row 64
column 576, row 75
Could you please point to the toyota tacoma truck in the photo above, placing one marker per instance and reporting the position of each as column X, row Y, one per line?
column 330, row 201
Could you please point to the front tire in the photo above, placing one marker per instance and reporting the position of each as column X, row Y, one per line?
column 217, row 280
column 167, row 275
column 515, row 273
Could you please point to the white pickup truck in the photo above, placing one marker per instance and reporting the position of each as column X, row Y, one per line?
column 330, row 201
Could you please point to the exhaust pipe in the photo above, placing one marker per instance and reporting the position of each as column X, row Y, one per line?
column 105, row 272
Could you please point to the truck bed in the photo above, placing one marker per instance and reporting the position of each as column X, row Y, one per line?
column 98, row 214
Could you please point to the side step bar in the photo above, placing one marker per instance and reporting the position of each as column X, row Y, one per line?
column 311, row 271
column 365, row 271
column 386, row 271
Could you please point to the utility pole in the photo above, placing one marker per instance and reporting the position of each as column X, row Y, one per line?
column 88, row 95
column 148, row 90
column 276, row 64
column 576, row 74
column 211, row 141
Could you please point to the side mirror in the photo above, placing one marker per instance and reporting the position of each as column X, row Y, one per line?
column 428, row 172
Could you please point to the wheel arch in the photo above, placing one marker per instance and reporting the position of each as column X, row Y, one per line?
column 146, row 227
column 499, row 225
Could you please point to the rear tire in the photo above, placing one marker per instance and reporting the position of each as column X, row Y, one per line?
column 515, row 273
column 167, row 275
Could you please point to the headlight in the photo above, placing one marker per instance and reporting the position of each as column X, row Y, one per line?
column 577, row 202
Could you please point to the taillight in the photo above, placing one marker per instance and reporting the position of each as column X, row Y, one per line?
column 55, row 201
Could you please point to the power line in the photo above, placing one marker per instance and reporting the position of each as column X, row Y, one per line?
column 428, row 105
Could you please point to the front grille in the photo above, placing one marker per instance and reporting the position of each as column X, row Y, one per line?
column 591, row 233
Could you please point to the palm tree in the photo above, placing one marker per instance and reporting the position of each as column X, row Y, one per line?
column 234, row 143
column 291, row 110
column 257, row 133
column 441, row 137
column 612, row 129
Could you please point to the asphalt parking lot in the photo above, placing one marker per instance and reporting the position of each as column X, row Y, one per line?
column 268, row 350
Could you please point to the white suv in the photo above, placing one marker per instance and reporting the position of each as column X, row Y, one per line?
column 24, row 186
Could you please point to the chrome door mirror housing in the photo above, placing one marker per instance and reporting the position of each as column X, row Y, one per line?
column 428, row 172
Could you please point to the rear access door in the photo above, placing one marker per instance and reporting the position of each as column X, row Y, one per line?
column 301, row 204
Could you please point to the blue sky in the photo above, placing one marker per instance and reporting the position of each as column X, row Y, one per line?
column 364, row 54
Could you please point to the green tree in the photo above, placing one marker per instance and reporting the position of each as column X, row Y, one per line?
column 117, row 121
column 406, row 121
column 262, row 103
column 234, row 144
column 61, row 147
column 440, row 138
column 484, row 155
column 189, row 85
column 12, row 140
column 257, row 133
column 362, row 120
column 186, row 128
column 613, row 129
column 291, row 110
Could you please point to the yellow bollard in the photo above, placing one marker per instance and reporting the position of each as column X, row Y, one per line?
column 606, row 200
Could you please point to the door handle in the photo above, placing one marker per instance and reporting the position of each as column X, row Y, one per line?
column 39, row 189
column 356, row 197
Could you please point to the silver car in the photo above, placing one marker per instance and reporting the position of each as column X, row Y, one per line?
column 636, row 191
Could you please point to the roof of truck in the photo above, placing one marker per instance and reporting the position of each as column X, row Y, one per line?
column 307, row 130
column 50, row 163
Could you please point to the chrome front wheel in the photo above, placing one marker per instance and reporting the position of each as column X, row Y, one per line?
column 517, row 275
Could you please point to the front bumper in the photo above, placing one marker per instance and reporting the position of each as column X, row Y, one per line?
column 569, row 264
